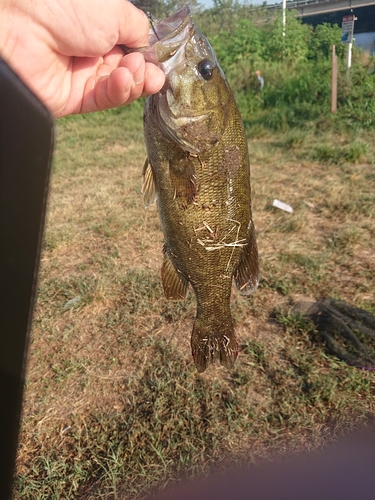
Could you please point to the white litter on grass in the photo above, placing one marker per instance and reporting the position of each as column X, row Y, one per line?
column 72, row 302
column 282, row 206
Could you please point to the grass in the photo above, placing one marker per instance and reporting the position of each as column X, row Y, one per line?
column 113, row 405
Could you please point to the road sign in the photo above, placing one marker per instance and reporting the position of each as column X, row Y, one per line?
column 347, row 28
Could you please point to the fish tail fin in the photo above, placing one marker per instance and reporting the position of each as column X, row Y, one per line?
column 213, row 341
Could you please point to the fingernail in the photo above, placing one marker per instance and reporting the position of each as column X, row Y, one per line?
column 138, row 82
column 139, row 75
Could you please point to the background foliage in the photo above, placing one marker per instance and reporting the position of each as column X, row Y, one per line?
column 296, row 69
column 296, row 66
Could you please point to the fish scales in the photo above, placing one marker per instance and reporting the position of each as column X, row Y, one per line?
column 198, row 170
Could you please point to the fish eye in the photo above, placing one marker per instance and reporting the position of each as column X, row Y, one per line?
column 206, row 69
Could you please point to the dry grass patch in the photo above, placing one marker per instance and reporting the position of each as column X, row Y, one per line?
column 113, row 404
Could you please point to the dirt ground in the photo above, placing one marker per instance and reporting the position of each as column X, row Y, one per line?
column 113, row 403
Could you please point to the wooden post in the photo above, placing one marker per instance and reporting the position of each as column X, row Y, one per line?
column 334, row 81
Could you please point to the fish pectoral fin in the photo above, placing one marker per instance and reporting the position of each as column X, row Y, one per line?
column 183, row 179
column 175, row 285
column 246, row 276
column 148, row 186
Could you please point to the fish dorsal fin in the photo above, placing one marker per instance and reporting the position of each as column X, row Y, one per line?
column 183, row 178
column 148, row 186
column 246, row 276
column 175, row 285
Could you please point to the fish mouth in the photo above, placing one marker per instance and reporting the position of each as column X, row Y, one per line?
column 170, row 28
column 166, row 37
column 169, row 36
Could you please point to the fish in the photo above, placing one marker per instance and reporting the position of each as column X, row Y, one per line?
column 198, row 171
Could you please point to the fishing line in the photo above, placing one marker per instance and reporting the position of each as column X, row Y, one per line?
column 152, row 21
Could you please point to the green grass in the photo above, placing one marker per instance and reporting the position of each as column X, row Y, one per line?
column 113, row 403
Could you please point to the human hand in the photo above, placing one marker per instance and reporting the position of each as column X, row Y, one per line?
column 67, row 52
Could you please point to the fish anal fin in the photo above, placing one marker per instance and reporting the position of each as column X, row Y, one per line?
column 175, row 285
column 246, row 276
column 183, row 178
column 148, row 186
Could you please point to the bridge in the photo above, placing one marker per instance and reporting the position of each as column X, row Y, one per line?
column 313, row 7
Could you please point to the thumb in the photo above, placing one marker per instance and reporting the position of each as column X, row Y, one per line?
column 133, row 26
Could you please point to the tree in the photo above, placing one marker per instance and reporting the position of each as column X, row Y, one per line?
column 323, row 37
column 291, row 48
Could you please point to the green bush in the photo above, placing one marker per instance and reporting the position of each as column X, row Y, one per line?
column 289, row 48
column 296, row 69
column 323, row 37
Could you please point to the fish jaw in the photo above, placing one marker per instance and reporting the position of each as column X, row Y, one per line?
column 171, row 29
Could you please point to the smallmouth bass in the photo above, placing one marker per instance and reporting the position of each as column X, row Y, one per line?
column 198, row 171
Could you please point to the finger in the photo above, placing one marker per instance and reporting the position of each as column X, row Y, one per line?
column 100, row 95
column 147, row 77
column 133, row 26
column 154, row 79
column 121, row 88
column 113, row 55
column 114, row 87
column 110, row 61
column 135, row 63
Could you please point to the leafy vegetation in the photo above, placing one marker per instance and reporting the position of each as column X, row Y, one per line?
column 295, row 65
column 297, row 73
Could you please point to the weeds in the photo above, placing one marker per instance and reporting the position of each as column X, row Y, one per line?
column 328, row 154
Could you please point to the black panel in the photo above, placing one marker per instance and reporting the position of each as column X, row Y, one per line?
column 26, row 143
